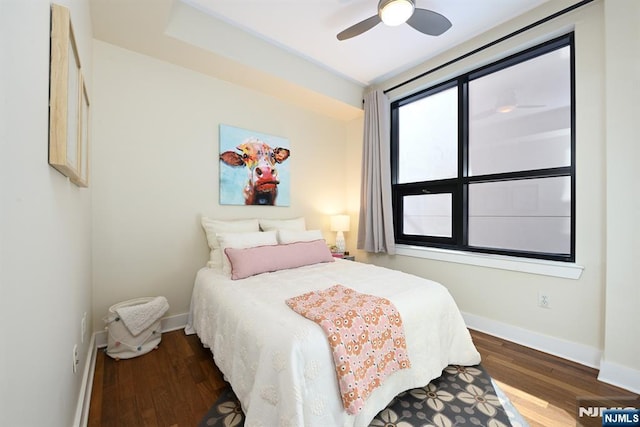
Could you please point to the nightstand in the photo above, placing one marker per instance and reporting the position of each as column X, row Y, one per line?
column 349, row 257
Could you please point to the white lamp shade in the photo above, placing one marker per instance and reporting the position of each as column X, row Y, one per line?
column 396, row 12
column 340, row 223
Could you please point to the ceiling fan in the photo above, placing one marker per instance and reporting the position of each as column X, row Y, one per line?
column 505, row 103
column 396, row 12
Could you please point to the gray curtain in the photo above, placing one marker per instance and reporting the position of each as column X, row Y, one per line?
column 375, row 229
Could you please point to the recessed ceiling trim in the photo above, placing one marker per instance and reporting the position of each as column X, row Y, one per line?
column 190, row 25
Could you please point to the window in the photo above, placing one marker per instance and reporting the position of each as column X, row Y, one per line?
column 485, row 162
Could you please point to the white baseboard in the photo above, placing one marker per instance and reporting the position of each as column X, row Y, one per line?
column 84, row 396
column 174, row 322
column 167, row 324
column 620, row 376
column 579, row 353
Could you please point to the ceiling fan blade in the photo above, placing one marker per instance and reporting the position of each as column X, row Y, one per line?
column 359, row 28
column 483, row 114
column 429, row 22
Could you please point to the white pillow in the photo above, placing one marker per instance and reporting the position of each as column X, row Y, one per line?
column 242, row 241
column 290, row 236
column 296, row 224
column 215, row 226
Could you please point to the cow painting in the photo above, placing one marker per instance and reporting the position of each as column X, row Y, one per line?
column 261, row 163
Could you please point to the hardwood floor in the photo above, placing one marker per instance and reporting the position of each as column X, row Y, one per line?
column 172, row 386
column 176, row 384
column 545, row 389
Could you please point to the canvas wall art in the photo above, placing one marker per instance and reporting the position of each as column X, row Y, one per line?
column 254, row 168
column 68, row 102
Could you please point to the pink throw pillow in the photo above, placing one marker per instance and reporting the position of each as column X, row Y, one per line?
column 262, row 259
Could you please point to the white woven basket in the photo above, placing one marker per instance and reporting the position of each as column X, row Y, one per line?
column 121, row 344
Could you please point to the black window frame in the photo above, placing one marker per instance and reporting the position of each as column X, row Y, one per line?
column 459, row 186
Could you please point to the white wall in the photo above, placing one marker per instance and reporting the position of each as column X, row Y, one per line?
column 155, row 171
column 622, row 343
column 45, row 236
column 577, row 311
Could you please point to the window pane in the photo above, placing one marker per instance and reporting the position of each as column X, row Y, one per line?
column 428, row 138
column 428, row 215
column 520, row 116
column 529, row 215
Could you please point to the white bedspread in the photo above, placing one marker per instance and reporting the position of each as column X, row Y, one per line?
column 279, row 363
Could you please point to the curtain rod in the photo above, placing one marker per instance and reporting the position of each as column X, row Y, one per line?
column 493, row 43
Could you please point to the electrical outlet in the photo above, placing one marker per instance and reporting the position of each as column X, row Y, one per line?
column 544, row 300
column 76, row 359
column 83, row 327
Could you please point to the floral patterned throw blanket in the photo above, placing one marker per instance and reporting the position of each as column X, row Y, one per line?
column 365, row 334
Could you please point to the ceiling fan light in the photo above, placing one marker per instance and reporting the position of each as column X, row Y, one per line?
column 506, row 108
column 395, row 12
column 506, row 102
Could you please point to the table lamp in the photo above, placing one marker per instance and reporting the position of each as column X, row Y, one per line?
column 340, row 224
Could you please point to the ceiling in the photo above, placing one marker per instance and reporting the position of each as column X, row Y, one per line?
column 288, row 48
column 309, row 27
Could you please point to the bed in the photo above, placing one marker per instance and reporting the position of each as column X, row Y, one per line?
column 279, row 363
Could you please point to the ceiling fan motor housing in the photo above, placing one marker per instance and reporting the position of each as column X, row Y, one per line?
column 395, row 12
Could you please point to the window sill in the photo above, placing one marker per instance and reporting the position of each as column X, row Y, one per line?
column 564, row 270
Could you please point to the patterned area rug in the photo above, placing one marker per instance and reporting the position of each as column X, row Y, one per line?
column 462, row 396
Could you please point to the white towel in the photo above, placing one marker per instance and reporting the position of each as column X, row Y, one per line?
column 139, row 317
